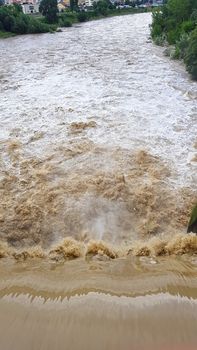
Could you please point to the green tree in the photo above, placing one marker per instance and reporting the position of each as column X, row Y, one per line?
column 180, row 10
column 49, row 9
column 101, row 6
column 12, row 19
column 21, row 25
column 191, row 55
column 17, row 8
column 82, row 16
column 74, row 5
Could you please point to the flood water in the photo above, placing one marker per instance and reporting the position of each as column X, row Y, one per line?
column 98, row 175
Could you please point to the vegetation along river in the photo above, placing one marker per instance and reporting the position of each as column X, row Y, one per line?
column 98, row 175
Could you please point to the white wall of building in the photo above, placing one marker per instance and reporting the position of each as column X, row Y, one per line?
column 30, row 8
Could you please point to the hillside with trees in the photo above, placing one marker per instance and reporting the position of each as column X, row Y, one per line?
column 176, row 24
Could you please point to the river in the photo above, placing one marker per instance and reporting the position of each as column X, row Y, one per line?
column 98, row 175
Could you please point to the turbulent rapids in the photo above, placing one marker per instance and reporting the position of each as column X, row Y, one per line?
column 85, row 192
column 95, row 159
column 98, row 177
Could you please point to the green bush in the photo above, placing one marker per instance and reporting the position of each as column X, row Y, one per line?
column 160, row 40
column 82, row 16
column 157, row 30
column 157, row 24
column 21, row 24
column 173, row 35
column 8, row 23
column 188, row 26
column 191, row 55
column 102, row 7
column 176, row 54
column 194, row 15
column 182, row 46
column 36, row 26
column 71, row 15
column 64, row 22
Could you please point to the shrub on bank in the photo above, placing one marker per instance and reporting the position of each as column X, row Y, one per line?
column 190, row 57
column 82, row 16
column 64, row 21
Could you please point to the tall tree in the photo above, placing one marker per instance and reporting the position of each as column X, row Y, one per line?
column 49, row 9
column 74, row 5
column 180, row 10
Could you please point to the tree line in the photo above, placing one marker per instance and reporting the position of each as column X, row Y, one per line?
column 13, row 20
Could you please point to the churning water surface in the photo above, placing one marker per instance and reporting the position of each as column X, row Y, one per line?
column 98, row 162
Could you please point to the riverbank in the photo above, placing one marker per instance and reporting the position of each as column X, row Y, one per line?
column 176, row 24
column 36, row 24
column 5, row 35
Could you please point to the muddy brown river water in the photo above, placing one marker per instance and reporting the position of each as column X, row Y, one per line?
column 98, row 175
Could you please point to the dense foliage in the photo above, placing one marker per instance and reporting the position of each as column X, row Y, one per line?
column 13, row 20
column 74, row 5
column 176, row 24
column 48, row 8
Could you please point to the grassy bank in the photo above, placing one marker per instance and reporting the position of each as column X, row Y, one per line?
column 176, row 25
column 4, row 35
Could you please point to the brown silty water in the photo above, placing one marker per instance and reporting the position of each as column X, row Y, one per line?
column 97, row 181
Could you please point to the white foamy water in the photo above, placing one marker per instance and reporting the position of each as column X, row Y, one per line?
column 98, row 136
column 97, row 141
column 107, row 71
